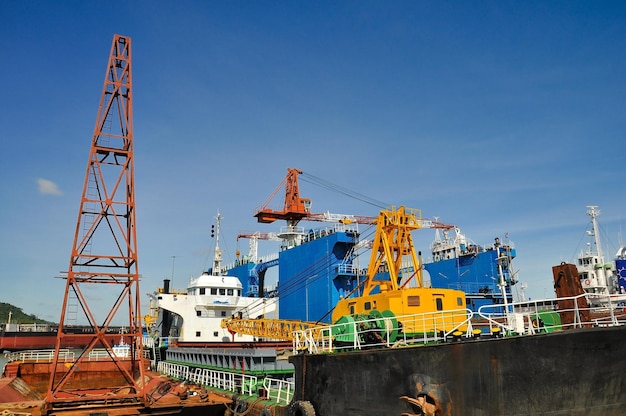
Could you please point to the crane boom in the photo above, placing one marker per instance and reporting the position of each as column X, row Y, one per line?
column 281, row 329
column 259, row 236
column 296, row 208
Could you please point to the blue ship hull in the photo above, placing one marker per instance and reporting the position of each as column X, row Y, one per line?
column 314, row 275
column 475, row 274
column 311, row 277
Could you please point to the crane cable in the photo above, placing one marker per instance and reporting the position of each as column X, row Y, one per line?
column 307, row 177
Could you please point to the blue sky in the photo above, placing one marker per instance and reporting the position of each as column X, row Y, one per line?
column 497, row 116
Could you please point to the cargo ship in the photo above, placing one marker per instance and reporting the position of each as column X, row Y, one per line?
column 598, row 277
column 317, row 266
column 414, row 350
column 560, row 368
column 325, row 260
column 392, row 338
column 457, row 262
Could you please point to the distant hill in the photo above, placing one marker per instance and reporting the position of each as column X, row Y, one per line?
column 17, row 315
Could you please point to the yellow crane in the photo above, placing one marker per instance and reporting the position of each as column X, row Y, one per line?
column 393, row 265
column 280, row 329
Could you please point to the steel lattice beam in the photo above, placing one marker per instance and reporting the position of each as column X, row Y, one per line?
column 105, row 247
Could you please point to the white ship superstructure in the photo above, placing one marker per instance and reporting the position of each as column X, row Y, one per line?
column 597, row 277
column 197, row 313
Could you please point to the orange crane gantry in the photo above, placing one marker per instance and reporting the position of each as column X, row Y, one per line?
column 296, row 208
column 104, row 252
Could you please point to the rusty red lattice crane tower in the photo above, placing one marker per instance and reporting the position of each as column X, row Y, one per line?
column 104, row 257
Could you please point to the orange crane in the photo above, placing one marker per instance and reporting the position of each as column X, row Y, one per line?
column 296, row 208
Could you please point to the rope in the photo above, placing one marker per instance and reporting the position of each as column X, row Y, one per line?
column 233, row 411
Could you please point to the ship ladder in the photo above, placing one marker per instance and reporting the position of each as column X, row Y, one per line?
column 156, row 356
column 71, row 315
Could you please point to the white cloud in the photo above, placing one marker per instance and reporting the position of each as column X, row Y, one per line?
column 47, row 187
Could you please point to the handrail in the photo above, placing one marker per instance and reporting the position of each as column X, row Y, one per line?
column 514, row 319
column 39, row 356
column 523, row 318
column 279, row 390
column 381, row 331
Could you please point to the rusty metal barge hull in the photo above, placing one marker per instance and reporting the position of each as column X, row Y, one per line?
column 24, row 384
column 77, row 337
column 575, row 372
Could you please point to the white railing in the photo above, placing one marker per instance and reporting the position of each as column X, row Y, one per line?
column 384, row 331
column 152, row 342
column 520, row 318
column 148, row 341
column 279, row 390
column 65, row 354
column 40, row 356
column 101, row 353
column 530, row 317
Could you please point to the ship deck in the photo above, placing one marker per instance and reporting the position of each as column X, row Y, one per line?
column 164, row 396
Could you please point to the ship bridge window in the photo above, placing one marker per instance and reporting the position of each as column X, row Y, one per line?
column 222, row 291
column 214, row 291
column 223, row 314
column 351, row 308
column 202, row 291
column 439, row 304
column 198, row 313
column 367, row 306
column 239, row 292
column 459, row 301
column 197, row 333
column 230, row 292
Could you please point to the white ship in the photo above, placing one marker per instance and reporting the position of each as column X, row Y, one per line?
column 598, row 278
column 195, row 315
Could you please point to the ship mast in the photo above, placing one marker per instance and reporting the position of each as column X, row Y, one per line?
column 217, row 258
column 593, row 212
